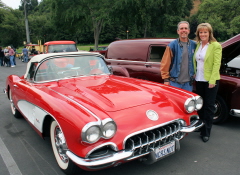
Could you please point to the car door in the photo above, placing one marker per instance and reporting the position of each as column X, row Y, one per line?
column 152, row 65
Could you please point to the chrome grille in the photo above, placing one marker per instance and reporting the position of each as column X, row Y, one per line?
column 143, row 143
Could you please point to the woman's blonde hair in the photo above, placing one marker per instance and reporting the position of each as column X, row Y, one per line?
column 209, row 28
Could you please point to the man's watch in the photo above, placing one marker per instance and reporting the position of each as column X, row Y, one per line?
column 166, row 80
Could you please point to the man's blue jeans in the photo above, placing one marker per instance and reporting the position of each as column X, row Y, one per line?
column 25, row 58
column 11, row 60
column 185, row 86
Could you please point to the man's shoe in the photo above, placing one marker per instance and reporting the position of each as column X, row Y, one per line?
column 205, row 138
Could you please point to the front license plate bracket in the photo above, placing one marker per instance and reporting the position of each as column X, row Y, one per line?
column 165, row 150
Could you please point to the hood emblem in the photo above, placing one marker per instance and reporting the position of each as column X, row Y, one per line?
column 152, row 115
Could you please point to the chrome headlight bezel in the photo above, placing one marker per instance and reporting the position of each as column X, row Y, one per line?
column 189, row 105
column 88, row 130
column 199, row 102
column 101, row 129
column 193, row 104
column 109, row 130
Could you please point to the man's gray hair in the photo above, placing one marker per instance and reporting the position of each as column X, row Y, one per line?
column 183, row 22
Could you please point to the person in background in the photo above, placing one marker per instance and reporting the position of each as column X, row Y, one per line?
column 6, row 57
column 207, row 62
column 11, row 54
column 1, row 56
column 33, row 50
column 177, row 64
column 25, row 54
column 14, row 58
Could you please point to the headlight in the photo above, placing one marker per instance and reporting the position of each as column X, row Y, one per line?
column 189, row 105
column 109, row 130
column 198, row 102
column 93, row 134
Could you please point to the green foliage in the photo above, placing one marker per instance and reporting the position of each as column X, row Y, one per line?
column 102, row 21
column 223, row 15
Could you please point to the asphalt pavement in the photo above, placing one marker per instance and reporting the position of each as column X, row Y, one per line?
column 24, row 152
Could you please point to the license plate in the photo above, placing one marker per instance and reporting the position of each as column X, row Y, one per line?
column 165, row 150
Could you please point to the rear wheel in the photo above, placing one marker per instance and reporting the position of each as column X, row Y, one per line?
column 59, row 147
column 15, row 112
column 221, row 111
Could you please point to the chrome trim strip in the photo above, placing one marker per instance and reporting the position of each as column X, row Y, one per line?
column 112, row 145
column 235, row 112
column 99, row 161
column 87, row 110
column 131, row 61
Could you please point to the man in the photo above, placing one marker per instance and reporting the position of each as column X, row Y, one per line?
column 11, row 54
column 25, row 54
column 177, row 62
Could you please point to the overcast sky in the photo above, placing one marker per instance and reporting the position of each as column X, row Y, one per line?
column 12, row 3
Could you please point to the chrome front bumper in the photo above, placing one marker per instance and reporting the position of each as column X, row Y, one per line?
column 195, row 125
column 125, row 155
column 99, row 161
column 235, row 112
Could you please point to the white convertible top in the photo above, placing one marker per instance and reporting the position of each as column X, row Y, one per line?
column 40, row 57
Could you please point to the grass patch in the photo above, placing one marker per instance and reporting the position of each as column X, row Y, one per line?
column 79, row 46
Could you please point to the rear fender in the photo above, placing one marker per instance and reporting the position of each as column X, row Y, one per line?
column 119, row 70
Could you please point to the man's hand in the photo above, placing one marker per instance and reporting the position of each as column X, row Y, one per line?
column 167, row 83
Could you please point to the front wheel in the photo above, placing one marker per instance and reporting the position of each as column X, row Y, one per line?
column 59, row 147
column 15, row 112
column 221, row 111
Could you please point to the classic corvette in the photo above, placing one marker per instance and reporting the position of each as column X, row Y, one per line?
column 97, row 120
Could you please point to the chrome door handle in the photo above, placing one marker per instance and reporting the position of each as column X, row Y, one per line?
column 148, row 65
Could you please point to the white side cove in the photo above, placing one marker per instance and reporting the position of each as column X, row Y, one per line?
column 34, row 114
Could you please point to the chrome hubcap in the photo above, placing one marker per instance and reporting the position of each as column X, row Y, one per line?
column 61, row 145
column 217, row 110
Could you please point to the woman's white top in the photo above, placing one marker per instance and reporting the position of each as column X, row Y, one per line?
column 200, row 55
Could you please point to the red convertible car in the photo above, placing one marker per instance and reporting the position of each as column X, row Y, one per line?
column 97, row 120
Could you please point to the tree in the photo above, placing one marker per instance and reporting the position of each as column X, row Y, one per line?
column 84, row 13
column 223, row 15
column 11, row 27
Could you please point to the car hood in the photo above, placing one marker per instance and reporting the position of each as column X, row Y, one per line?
column 109, row 93
column 231, row 48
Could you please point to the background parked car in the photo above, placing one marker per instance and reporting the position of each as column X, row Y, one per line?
column 101, row 49
column 141, row 58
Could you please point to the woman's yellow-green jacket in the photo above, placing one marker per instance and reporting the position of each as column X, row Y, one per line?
column 212, row 62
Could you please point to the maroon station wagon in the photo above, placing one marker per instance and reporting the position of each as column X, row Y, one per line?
column 141, row 58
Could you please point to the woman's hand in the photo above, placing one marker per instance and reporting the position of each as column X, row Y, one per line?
column 211, row 85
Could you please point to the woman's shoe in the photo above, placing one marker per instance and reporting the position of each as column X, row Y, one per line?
column 205, row 138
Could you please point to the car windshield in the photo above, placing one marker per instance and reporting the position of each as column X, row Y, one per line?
column 69, row 67
column 62, row 48
column 235, row 62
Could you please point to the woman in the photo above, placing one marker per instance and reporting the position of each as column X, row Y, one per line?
column 207, row 61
